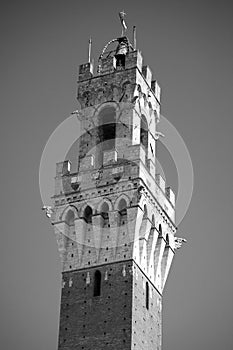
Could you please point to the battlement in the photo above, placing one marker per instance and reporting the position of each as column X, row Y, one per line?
column 63, row 168
column 109, row 64
column 116, row 171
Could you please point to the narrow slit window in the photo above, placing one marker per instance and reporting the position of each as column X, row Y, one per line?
column 160, row 230
column 97, row 283
column 147, row 295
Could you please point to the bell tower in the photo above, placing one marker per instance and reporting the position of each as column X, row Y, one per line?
column 114, row 217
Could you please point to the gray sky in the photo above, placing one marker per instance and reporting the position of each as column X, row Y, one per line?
column 188, row 46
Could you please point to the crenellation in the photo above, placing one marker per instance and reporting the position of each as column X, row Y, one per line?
column 63, row 168
column 160, row 181
column 170, row 195
column 156, row 90
column 134, row 59
column 86, row 71
column 147, row 74
column 108, row 65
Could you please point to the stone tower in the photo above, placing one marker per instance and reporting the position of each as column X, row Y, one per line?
column 114, row 217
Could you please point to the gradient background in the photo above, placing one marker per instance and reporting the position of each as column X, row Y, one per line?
column 188, row 45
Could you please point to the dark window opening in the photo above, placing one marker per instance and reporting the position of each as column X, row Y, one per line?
column 88, row 215
column 160, row 230
column 107, row 128
column 105, row 215
column 147, row 295
column 122, row 211
column 97, row 283
column 120, row 61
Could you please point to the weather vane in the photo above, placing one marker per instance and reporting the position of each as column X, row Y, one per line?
column 122, row 15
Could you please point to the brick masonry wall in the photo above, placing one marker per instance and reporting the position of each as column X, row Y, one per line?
column 146, row 323
column 117, row 319
column 101, row 322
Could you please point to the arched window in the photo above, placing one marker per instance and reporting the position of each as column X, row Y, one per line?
column 88, row 214
column 70, row 223
column 70, row 218
column 153, row 221
column 107, row 128
column 105, row 215
column 147, row 295
column 122, row 211
column 97, row 283
column 144, row 132
column 145, row 212
column 160, row 230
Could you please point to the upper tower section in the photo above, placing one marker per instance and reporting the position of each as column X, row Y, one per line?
column 121, row 102
column 113, row 206
column 121, row 76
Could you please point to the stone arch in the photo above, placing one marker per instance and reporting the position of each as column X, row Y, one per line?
column 105, row 213
column 105, row 207
column 167, row 239
column 66, row 210
column 122, row 210
column 153, row 221
column 87, row 214
column 122, row 205
column 160, row 229
column 123, row 196
column 145, row 212
column 69, row 218
column 105, row 200
column 103, row 105
column 84, row 207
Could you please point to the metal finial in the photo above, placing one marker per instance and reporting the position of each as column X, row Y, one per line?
column 134, row 38
column 122, row 15
column 89, row 50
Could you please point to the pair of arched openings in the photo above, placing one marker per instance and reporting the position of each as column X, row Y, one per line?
column 104, row 211
column 88, row 214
